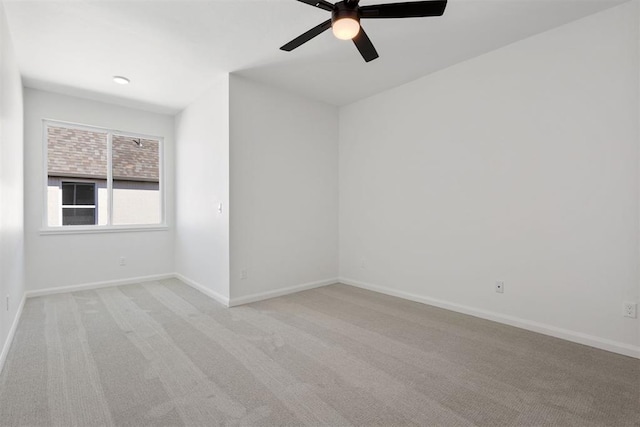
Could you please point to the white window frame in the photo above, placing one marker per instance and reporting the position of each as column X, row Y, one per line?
column 75, row 229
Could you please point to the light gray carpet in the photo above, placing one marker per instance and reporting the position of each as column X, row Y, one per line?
column 161, row 353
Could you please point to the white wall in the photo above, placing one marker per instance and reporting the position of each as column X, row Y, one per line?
column 519, row 165
column 202, row 183
column 77, row 259
column 12, row 281
column 284, row 190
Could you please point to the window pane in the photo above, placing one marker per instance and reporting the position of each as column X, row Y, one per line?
column 85, row 194
column 75, row 154
column 78, row 216
column 68, row 193
column 136, row 180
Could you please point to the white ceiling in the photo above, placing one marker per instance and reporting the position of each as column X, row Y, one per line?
column 171, row 50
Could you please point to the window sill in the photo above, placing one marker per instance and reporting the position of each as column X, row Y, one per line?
column 77, row 229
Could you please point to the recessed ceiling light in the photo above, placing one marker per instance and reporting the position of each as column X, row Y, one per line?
column 121, row 80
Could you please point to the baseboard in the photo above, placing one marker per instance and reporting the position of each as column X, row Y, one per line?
column 280, row 292
column 208, row 292
column 11, row 334
column 577, row 337
column 97, row 285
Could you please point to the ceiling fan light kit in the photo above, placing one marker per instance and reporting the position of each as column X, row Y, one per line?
column 345, row 21
column 346, row 16
column 345, row 28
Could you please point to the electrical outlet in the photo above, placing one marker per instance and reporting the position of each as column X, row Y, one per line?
column 243, row 274
column 7, row 302
column 500, row 286
column 123, row 261
column 630, row 309
column 363, row 263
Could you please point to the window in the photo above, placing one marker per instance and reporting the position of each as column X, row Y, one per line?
column 78, row 203
column 98, row 177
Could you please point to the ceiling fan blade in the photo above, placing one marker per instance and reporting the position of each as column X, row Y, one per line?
column 364, row 45
column 322, row 4
column 303, row 38
column 414, row 9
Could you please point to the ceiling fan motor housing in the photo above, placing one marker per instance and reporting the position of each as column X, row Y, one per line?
column 344, row 10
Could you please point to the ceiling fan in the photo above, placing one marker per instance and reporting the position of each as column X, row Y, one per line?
column 346, row 16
